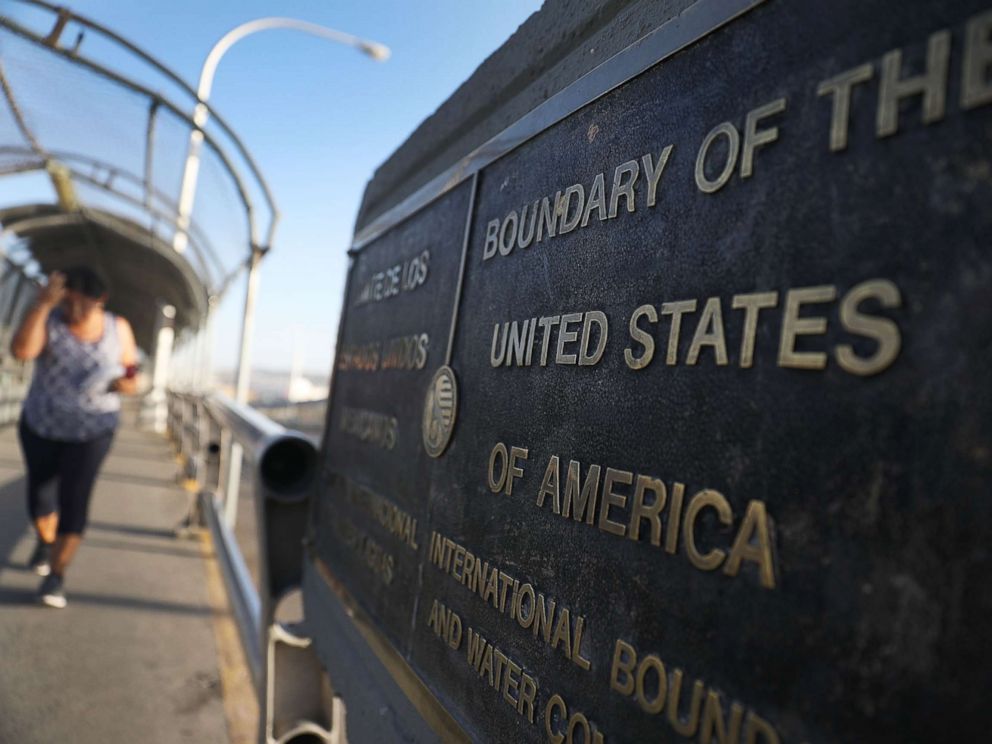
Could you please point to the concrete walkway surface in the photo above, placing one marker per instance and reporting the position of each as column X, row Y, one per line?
column 133, row 658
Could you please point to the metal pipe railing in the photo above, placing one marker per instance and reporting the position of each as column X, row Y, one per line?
column 284, row 466
column 284, row 460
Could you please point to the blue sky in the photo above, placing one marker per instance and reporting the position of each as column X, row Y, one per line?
column 319, row 118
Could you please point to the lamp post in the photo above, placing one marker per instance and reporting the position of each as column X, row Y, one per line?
column 187, row 191
column 187, row 194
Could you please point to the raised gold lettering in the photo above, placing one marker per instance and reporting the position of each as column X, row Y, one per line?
column 511, row 682
column 525, row 236
column 976, row 89
column 549, row 217
column 639, row 510
column 580, row 502
column 840, row 87
column 624, row 662
column 550, row 485
column 674, row 518
column 555, row 703
column 649, row 704
column 563, row 633
column 545, row 614
column 515, row 471
column 676, row 310
column 793, row 326
column 611, row 499
column 516, row 349
column 643, row 338
column 931, row 85
column 623, row 187
column 753, row 139
column 597, row 200
column 371, row 427
column 755, row 727
column 709, row 332
column 498, row 453
column 729, row 131
column 496, row 357
column 528, row 693
column 711, row 560
column 653, row 173
column 577, row 657
column 753, row 543
column 752, row 304
column 508, row 234
column 566, row 336
column 688, row 726
column 714, row 722
column 526, row 591
column 492, row 240
column 883, row 331
column 547, row 324
column 593, row 317
column 569, row 223
column 651, row 687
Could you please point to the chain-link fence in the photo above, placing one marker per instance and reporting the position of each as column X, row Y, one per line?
column 111, row 128
column 17, row 291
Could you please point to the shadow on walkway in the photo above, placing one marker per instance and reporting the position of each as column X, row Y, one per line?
column 133, row 656
column 94, row 541
column 111, row 475
column 130, row 529
column 13, row 515
column 10, row 596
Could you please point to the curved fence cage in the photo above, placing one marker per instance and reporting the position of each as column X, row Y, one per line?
column 93, row 124
column 18, row 287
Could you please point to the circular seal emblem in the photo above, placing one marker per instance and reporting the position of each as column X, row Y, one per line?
column 440, row 409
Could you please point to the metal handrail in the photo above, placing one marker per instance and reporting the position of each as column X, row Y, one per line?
column 284, row 459
column 285, row 462
column 250, row 428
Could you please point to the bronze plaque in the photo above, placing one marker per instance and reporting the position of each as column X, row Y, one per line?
column 673, row 421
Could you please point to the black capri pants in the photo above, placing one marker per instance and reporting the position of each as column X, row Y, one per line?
column 75, row 464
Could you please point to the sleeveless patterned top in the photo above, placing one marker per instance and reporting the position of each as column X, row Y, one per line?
column 69, row 399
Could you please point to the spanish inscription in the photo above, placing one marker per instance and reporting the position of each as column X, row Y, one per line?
column 405, row 276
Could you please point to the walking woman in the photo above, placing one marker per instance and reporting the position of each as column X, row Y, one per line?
column 84, row 357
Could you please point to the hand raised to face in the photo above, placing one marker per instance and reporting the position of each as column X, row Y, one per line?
column 53, row 292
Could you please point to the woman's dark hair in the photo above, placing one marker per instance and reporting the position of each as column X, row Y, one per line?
column 86, row 281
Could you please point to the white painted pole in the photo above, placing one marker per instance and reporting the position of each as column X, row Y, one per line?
column 154, row 405
column 241, row 389
column 187, row 196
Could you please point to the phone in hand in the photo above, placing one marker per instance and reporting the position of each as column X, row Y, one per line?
column 129, row 372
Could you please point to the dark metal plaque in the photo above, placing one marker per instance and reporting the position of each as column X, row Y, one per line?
column 374, row 500
column 700, row 447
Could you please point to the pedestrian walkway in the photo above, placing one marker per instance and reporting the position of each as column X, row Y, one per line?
column 133, row 658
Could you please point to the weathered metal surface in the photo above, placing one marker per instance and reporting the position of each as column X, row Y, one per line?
column 713, row 460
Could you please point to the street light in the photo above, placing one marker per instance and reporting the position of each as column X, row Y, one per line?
column 187, row 189
column 187, row 193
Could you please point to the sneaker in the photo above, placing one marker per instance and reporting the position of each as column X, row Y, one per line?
column 50, row 592
column 40, row 559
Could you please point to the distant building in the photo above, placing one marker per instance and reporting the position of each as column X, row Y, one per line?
column 301, row 390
